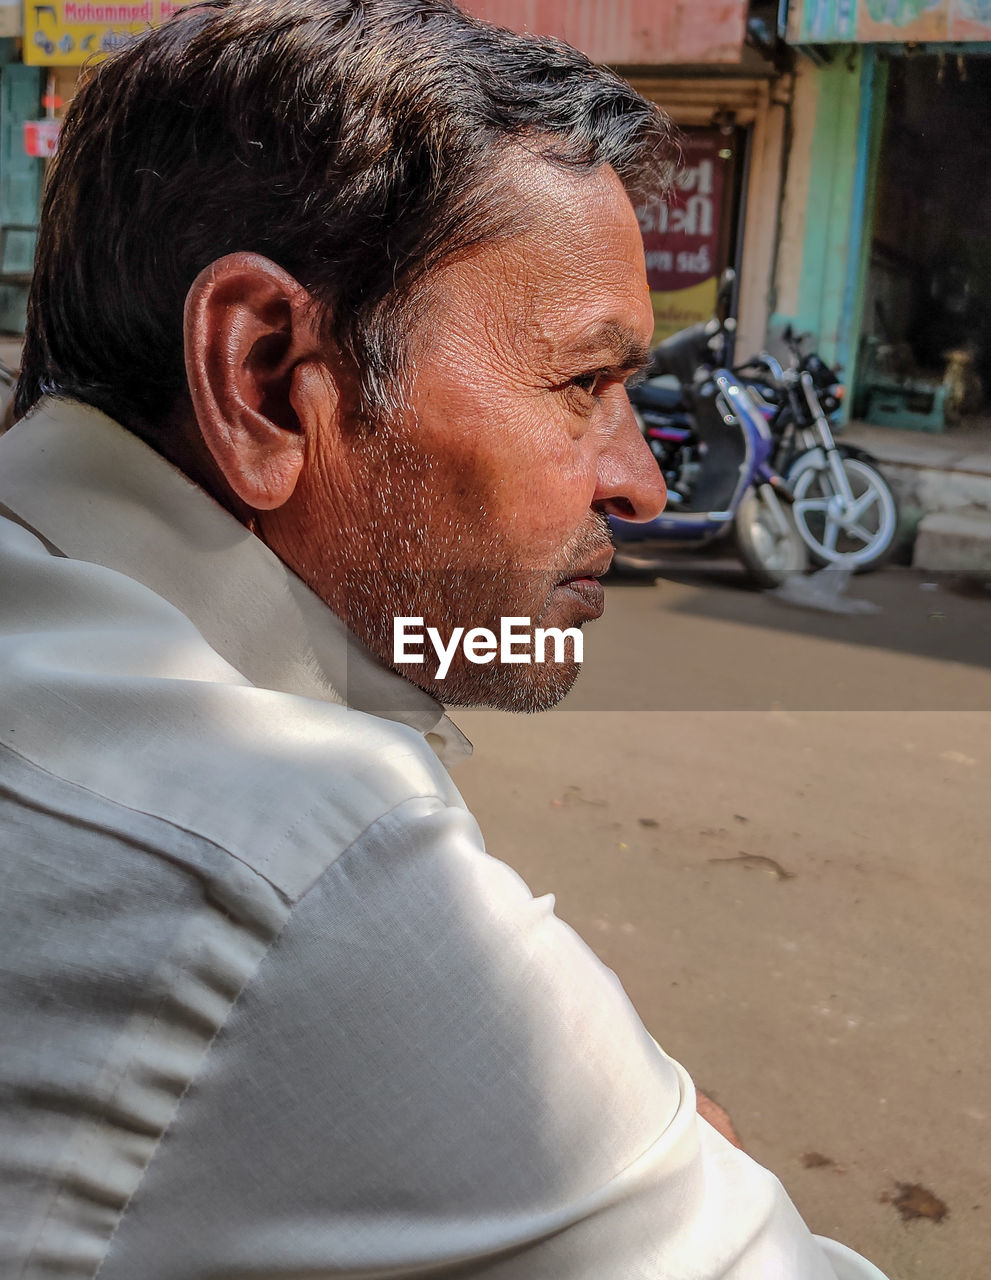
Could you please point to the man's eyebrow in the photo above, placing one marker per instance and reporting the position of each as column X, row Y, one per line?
column 625, row 348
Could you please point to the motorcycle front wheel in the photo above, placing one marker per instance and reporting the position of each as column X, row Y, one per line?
column 766, row 538
column 858, row 535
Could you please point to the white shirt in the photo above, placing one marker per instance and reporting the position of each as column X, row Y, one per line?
column 269, row 1009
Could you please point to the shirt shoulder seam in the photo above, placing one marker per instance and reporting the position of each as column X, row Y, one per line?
column 208, row 840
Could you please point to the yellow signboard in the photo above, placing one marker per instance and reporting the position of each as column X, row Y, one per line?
column 681, row 308
column 67, row 33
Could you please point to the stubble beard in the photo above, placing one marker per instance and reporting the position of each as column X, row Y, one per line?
column 447, row 595
column 451, row 599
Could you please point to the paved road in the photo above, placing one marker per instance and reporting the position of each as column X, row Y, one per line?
column 774, row 825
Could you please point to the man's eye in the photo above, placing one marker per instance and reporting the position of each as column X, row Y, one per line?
column 598, row 381
column 587, row 382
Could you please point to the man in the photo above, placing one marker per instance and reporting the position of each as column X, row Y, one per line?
column 333, row 311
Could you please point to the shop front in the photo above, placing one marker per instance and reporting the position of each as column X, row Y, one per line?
column 42, row 48
column 724, row 209
column 927, row 305
column 888, row 217
column 729, row 101
column 730, row 104
column 21, row 91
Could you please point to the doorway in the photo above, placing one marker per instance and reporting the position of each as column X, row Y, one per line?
column 927, row 307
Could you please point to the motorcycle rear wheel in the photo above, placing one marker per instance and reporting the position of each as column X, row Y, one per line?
column 766, row 539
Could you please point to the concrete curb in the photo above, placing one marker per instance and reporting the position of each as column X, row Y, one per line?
column 936, row 477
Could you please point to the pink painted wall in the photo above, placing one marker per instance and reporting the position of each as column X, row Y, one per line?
column 645, row 32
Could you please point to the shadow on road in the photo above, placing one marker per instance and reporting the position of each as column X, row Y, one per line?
column 945, row 617
column 698, row 637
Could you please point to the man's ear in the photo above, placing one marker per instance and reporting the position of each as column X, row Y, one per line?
column 247, row 327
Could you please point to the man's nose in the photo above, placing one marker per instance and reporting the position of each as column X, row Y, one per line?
column 629, row 481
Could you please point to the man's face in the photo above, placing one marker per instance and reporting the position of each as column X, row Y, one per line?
column 487, row 496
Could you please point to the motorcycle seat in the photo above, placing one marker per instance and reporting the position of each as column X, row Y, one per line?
column 667, row 399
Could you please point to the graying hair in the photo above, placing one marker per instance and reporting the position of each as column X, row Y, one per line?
column 355, row 143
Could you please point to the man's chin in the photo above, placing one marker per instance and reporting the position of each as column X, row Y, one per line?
column 525, row 689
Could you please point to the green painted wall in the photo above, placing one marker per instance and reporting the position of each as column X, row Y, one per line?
column 840, row 205
column 872, row 133
column 20, row 185
column 828, row 225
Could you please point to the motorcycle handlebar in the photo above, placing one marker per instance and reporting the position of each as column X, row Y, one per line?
column 681, row 355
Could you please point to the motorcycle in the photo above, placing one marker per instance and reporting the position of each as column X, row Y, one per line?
column 843, row 507
column 715, row 449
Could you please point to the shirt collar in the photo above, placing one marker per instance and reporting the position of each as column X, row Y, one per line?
column 95, row 492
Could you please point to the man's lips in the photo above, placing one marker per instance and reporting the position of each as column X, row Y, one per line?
column 584, row 588
column 597, row 567
column 587, row 593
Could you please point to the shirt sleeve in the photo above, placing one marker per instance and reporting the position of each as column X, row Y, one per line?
column 430, row 1074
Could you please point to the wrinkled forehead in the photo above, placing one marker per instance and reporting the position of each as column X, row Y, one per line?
column 573, row 263
column 570, row 223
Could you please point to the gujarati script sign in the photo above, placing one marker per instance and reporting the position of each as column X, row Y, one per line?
column 681, row 238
